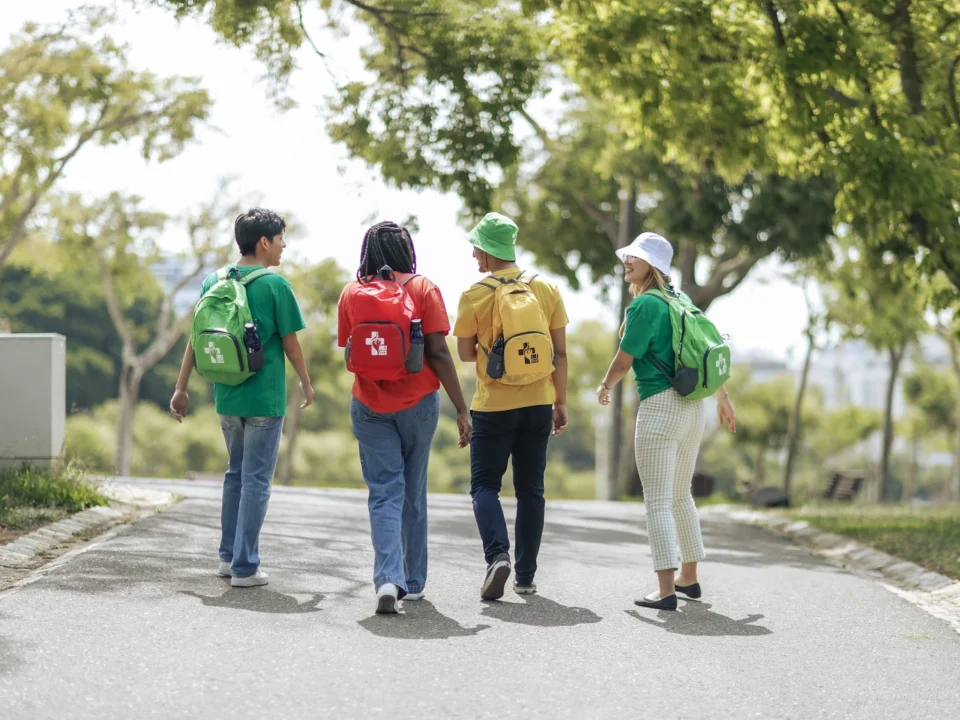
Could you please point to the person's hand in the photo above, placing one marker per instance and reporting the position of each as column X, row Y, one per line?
column 179, row 404
column 603, row 395
column 725, row 413
column 308, row 395
column 560, row 418
column 465, row 425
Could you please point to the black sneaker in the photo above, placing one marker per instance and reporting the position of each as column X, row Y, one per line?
column 527, row 588
column 496, row 579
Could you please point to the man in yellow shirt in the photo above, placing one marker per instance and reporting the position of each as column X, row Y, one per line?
column 509, row 420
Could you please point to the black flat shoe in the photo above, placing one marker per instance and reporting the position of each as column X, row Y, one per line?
column 691, row 591
column 667, row 603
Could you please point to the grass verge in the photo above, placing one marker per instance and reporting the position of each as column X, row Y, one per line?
column 928, row 536
column 30, row 498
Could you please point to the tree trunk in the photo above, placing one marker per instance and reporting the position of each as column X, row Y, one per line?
column 955, row 479
column 291, row 427
column 625, row 229
column 760, row 469
column 629, row 478
column 130, row 379
column 911, row 485
column 896, row 356
column 796, row 419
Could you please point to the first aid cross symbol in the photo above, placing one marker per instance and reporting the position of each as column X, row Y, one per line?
column 377, row 345
column 213, row 352
column 722, row 365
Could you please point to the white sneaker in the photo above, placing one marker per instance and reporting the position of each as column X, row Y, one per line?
column 387, row 599
column 223, row 570
column 255, row 580
column 413, row 597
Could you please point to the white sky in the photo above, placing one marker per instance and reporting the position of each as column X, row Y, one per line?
column 288, row 159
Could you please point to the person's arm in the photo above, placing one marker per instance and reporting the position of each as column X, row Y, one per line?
column 615, row 373
column 725, row 412
column 440, row 360
column 180, row 402
column 560, row 372
column 467, row 349
column 294, row 353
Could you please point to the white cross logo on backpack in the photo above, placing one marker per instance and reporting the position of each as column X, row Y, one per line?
column 722, row 365
column 377, row 345
column 213, row 352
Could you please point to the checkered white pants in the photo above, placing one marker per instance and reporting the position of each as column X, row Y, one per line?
column 669, row 430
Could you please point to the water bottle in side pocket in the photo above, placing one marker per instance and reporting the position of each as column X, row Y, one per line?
column 251, row 340
column 414, row 362
column 495, row 365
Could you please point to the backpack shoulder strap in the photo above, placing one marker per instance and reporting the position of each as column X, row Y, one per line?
column 249, row 278
column 404, row 283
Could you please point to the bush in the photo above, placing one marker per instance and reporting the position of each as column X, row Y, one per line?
column 65, row 488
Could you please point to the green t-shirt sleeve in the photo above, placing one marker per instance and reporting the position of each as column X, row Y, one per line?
column 639, row 332
column 287, row 309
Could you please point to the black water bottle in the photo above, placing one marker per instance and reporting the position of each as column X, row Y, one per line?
column 415, row 358
column 495, row 365
column 251, row 340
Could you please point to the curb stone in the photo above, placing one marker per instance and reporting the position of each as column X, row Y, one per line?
column 128, row 503
column 933, row 592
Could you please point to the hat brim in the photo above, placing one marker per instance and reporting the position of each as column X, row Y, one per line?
column 634, row 252
column 506, row 254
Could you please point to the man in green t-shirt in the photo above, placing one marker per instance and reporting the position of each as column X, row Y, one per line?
column 251, row 414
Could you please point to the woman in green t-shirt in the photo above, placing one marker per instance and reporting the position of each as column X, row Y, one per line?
column 669, row 428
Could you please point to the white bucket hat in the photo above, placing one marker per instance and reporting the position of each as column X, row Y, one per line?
column 653, row 248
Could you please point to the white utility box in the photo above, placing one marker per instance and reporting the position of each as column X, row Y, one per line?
column 33, row 388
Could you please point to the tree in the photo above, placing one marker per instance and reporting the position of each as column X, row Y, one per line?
column 318, row 290
column 933, row 398
column 123, row 239
column 857, row 90
column 65, row 88
column 44, row 289
column 837, row 431
column 763, row 420
column 885, row 307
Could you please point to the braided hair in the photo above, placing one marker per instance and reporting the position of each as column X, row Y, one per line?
column 386, row 244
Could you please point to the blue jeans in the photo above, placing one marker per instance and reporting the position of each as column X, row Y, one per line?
column 523, row 434
column 394, row 454
column 252, row 445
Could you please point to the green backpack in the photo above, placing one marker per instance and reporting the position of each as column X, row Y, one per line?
column 703, row 356
column 220, row 350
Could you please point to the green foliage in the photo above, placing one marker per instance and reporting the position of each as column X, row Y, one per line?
column 763, row 413
column 45, row 289
column 68, row 86
column 839, row 430
column 933, row 394
column 861, row 91
column 64, row 488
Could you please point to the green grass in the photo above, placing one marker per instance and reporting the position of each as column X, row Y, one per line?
column 928, row 536
column 30, row 498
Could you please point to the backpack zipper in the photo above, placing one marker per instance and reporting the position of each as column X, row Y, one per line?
column 528, row 332
column 236, row 344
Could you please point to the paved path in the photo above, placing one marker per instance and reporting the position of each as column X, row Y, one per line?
column 140, row 627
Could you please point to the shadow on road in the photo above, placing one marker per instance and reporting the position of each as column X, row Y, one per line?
column 419, row 621
column 539, row 611
column 258, row 600
column 695, row 618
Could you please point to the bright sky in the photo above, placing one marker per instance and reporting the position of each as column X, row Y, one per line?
column 288, row 159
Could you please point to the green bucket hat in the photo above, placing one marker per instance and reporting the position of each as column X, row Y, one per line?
column 496, row 235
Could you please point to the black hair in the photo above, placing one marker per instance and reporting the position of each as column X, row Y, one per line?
column 386, row 244
column 254, row 224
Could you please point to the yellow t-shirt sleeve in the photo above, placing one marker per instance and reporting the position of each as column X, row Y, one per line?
column 559, row 318
column 466, row 325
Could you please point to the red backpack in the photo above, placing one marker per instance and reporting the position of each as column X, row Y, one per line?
column 382, row 312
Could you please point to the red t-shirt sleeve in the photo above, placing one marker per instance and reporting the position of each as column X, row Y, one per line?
column 344, row 326
column 435, row 318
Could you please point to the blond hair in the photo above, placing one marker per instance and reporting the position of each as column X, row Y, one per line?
column 654, row 279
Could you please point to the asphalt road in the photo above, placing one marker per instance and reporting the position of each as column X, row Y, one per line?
column 139, row 626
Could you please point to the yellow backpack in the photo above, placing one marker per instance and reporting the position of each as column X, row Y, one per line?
column 522, row 351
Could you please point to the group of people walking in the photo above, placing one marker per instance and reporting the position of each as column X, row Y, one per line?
column 393, row 326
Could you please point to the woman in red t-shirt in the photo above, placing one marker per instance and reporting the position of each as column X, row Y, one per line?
column 395, row 420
